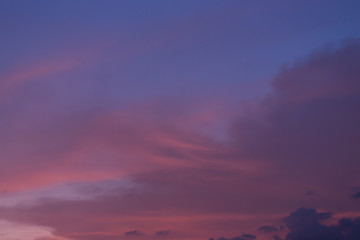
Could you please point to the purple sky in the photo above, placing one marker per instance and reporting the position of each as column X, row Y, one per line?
column 181, row 120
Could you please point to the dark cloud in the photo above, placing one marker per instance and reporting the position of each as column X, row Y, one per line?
column 305, row 216
column 310, row 193
column 306, row 223
column 94, row 237
column 355, row 195
column 244, row 236
column 163, row 233
column 47, row 238
column 268, row 229
column 134, row 233
column 276, row 237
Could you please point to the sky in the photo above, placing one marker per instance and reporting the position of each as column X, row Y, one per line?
column 179, row 120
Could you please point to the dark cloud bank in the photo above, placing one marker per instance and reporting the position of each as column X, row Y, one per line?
column 268, row 229
column 134, row 233
column 356, row 195
column 306, row 224
column 310, row 121
column 242, row 237
column 309, row 126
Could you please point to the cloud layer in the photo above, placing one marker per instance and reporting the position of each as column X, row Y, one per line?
column 88, row 155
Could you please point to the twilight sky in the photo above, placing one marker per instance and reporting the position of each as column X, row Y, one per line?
column 181, row 120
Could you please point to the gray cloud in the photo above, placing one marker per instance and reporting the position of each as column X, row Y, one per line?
column 306, row 223
column 163, row 233
column 134, row 233
column 355, row 195
column 268, row 229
